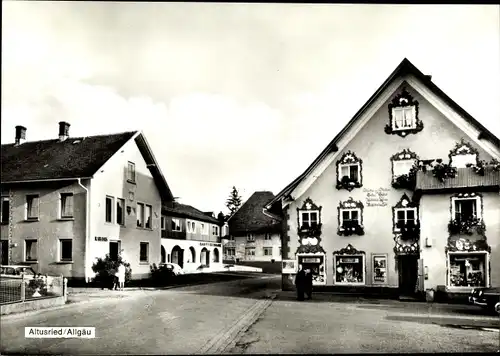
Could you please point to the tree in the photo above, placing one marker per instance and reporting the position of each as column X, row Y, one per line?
column 234, row 201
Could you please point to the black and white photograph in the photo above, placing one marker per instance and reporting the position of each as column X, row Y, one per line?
column 182, row 178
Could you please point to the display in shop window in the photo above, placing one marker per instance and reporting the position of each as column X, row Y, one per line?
column 349, row 269
column 467, row 270
column 379, row 269
column 317, row 266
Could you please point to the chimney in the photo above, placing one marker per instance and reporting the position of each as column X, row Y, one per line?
column 63, row 131
column 20, row 135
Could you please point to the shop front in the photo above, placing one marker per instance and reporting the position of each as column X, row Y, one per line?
column 316, row 263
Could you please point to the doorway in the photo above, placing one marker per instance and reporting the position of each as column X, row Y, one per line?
column 408, row 274
column 178, row 256
column 114, row 250
column 5, row 252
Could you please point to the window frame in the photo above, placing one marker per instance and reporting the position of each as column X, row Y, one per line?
column 31, row 260
column 144, row 243
column 415, row 212
column 131, row 173
column 268, row 237
column 61, row 258
column 122, row 221
column 250, row 237
column 140, row 214
column 150, row 207
column 250, row 249
column 63, row 201
column 177, row 223
column 412, row 109
column 343, row 165
column 350, row 210
column 267, row 249
column 396, row 163
column 163, row 222
column 335, row 256
column 112, row 199
column 309, row 213
column 6, row 199
column 487, row 283
column 477, row 199
column 27, row 207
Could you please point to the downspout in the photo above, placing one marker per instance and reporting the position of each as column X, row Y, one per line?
column 87, row 230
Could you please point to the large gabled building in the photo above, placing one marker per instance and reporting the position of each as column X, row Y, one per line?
column 253, row 234
column 68, row 200
column 405, row 199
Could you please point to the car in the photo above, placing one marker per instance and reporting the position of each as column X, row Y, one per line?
column 176, row 269
column 18, row 271
column 488, row 298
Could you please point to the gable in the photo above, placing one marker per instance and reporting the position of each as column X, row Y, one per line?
column 406, row 74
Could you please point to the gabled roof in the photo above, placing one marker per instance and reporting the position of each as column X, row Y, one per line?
column 251, row 218
column 465, row 177
column 187, row 211
column 73, row 158
column 404, row 68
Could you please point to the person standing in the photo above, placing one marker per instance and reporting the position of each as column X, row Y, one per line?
column 309, row 283
column 121, row 275
column 300, row 280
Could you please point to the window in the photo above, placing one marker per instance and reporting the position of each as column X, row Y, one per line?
column 280, row 251
column 350, row 171
column 109, row 209
column 250, row 238
column 66, row 205
column 5, row 210
column 32, row 207
column 66, row 250
column 148, row 218
column 403, row 117
column 349, row 269
column 379, row 268
column 467, row 269
column 250, row 251
column 131, row 172
column 31, row 250
column 465, row 209
column 402, row 167
column 144, row 252
column 349, row 217
column 140, row 215
column 163, row 223
column 120, row 213
column 215, row 230
column 191, row 227
column 176, row 225
column 267, row 237
column 204, row 229
column 230, row 251
column 405, row 217
column 308, row 219
column 268, row 251
column 230, row 238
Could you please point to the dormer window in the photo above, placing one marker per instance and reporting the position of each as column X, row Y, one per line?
column 349, row 174
column 463, row 155
column 403, row 115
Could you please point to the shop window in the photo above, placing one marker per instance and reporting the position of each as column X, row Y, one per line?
column 467, row 269
column 316, row 264
column 379, row 268
column 349, row 269
column 349, row 175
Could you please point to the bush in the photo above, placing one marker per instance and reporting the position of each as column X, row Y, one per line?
column 37, row 283
column 105, row 269
column 161, row 275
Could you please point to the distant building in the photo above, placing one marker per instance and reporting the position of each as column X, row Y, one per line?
column 69, row 200
column 254, row 235
column 190, row 237
column 404, row 199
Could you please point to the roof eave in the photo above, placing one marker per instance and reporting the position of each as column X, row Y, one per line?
column 45, row 180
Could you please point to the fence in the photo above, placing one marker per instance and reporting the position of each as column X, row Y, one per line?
column 25, row 288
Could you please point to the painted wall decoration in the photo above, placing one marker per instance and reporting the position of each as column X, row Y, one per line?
column 349, row 171
column 309, row 228
column 402, row 100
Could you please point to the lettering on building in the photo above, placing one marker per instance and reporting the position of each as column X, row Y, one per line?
column 376, row 197
column 210, row 244
column 100, row 238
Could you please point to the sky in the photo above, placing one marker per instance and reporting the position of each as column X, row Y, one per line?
column 243, row 95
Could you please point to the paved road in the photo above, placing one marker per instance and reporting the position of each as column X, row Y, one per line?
column 351, row 325
column 198, row 319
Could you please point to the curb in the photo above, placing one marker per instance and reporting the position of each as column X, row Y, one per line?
column 227, row 339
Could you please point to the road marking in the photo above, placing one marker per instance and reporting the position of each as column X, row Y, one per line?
column 227, row 337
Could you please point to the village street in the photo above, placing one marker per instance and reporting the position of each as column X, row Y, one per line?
column 213, row 318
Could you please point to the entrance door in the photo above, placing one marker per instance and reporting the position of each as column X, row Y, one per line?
column 5, row 252
column 408, row 273
column 114, row 250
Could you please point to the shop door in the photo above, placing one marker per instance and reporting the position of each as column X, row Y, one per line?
column 5, row 252
column 408, row 273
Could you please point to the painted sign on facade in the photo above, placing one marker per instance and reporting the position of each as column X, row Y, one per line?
column 376, row 197
column 100, row 238
column 211, row 244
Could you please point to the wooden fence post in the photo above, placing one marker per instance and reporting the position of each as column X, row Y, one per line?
column 23, row 289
